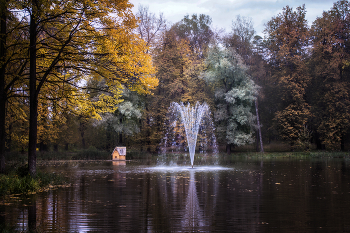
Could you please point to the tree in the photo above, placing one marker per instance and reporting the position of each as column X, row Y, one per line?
column 330, row 83
column 241, row 41
column 150, row 27
column 241, row 38
column 17, row 124
column 171, row 61
column 71, row 42
column 124, row 122
column 197, row 31
column 235, row 93
column 13, row 62
column 287, row 41
column 178, row 69
column 51, row 117
column 3, row 18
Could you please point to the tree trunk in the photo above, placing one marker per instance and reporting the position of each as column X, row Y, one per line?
column 259, row 126
column 319, row 145
column 342, row 143
column 32, row 217
column 148, row 135
column 33, row 99
column 108, row 136
column 228, row 148
column 2, row 86
column 83, row 139
column 120, row 139
column 2, row 129
column 82, row 132
column 82, row 128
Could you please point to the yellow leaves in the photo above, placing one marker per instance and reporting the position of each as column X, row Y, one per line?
column 127, row 62
column 109, row 52
column 145, row 84
column 346, row 64
column 108, row 103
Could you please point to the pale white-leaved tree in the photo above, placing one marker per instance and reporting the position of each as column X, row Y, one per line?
column 125, row 121
column 235, row 93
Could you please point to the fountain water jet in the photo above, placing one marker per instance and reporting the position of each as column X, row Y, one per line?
column 191, row 118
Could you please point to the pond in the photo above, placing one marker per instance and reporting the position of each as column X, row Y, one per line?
column 243, row 195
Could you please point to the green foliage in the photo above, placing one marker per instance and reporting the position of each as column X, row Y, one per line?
column 92, row 153
column 126, row 118
column 6, row 228
column 17, row 185
column 19, row 181
column 235, row 93
column 303, row 74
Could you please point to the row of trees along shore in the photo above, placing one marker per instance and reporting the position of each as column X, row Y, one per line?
column 76, row 74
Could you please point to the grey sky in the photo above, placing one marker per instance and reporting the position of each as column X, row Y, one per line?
column 223, row 12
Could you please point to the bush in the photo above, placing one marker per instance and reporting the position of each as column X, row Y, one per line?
column 92, row 153
column 18, row 181
column 14, row 184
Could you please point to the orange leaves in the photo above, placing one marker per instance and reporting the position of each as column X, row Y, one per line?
column 330, row 60
column 335, row 117
column 292, row 120
column 288, row 41
column 288, row 35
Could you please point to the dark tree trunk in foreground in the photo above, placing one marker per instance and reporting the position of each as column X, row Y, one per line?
column 33, row 99
column 32, row 217
column 2, row 84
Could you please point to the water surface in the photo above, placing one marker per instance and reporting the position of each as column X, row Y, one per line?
column 245, row 195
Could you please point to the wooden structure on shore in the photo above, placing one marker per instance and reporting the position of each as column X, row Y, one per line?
column 119, row 153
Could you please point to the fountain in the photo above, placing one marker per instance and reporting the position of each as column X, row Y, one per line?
column 193, row 120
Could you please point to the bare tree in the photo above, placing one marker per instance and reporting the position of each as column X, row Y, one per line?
column 150, row 27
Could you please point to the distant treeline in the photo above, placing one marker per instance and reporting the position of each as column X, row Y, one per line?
column 77, row 76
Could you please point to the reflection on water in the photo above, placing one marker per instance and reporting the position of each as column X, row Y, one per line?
column 194, row 214
column 119, row 163
column 246, row 196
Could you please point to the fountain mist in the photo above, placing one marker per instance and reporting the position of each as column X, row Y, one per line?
column 193, row 121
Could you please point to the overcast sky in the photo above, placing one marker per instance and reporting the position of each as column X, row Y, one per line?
column 223, row 12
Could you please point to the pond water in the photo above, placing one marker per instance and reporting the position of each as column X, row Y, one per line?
column 243, row 195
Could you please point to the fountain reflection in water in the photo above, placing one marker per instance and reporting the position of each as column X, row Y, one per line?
column 194, row 215
column 189, row 125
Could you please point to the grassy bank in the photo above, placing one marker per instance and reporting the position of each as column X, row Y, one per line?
column 298, row 155
column 82, row 154
column 91, row 153
column 18, row 181
column 96, row 154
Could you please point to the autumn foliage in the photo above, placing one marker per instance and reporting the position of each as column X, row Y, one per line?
column 75, row 74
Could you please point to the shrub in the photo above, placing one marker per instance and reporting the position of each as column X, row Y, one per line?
column 92, row 153
column 18, row 181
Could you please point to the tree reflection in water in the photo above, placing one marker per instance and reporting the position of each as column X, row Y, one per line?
column 284, row 196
